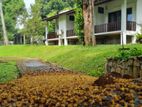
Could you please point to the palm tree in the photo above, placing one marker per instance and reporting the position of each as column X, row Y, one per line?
column 3, row 25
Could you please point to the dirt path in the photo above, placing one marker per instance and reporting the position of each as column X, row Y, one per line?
column 36, row 66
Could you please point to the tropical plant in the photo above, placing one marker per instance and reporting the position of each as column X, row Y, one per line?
column 79, row 21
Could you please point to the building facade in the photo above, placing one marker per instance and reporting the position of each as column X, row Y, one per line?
column 64, row 29
column 115, row 22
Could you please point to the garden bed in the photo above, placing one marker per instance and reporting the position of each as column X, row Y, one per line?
column 67, row 89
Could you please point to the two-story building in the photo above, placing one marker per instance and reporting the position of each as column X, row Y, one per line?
column 64, row 29
column 115, row 22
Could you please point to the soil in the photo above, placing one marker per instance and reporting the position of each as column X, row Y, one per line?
column 109, row 78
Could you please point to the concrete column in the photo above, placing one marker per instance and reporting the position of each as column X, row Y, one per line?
column 24, row 39
column 123, row 38
column 139, row 16
column 133, row 39
column 46, row 36
column 59, row 41
column 65, row 39
column 123, row 22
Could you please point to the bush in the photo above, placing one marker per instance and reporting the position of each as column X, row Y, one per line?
column 125, row 54
column 139, row 37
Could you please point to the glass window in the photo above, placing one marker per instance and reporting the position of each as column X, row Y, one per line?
column 129, row 14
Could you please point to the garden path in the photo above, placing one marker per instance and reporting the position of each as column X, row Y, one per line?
column 36, row 66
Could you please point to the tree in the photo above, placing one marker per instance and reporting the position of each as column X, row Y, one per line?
column 34, row 27
column 88, row 13
column 3, row 25
column 51, row 7
column 12, row 9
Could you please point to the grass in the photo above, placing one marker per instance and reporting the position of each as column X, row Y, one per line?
column 8, row 71
column 90, row 60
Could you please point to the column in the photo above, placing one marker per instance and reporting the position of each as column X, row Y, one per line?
column 133, row 39
column 59, row 41
column 124, row 22
column 65, row 39
column 24, row 39
column 46, row 36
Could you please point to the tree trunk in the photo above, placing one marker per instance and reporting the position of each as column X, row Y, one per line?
column 3, row 25
column 88, row 13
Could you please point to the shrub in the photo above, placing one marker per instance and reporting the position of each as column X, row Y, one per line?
column 125, row 54
column 139, row 37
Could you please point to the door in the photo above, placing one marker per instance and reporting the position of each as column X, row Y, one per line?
column 114, row 21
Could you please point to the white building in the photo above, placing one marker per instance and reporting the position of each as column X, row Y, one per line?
column 64, row 29
column 115, row 22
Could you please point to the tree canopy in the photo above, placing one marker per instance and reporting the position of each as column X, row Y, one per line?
column 12, row 10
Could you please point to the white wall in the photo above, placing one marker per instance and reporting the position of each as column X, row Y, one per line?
column 70, row 24
column 62, row 24
column 112, row 7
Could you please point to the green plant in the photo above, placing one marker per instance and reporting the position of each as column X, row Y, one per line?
column 125, row 54
column 139, row 36
column 79, row 21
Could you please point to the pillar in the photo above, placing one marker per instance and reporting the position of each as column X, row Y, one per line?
column 46, row 35
column 124, row 22
column 59, row 41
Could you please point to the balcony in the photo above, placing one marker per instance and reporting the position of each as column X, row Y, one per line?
column 115, row 26
column 52, row 35
column 70, row 33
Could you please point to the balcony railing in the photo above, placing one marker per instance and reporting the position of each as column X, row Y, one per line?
column 52, row 35
column 131, row 25
column 115, row 26
column 70, row 33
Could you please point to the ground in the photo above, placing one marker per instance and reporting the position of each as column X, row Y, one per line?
column 69, row 90
column 60, row 87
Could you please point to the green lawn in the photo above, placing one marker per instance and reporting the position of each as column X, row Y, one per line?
column 8, row 71
column 90, row 60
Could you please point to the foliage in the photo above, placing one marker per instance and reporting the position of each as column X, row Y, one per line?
column 34, row 26
column 73, row 90
column 51, row 7
column 79, row 22
column 12, row 10
column 8, row 71
column 139, row 37
column 125, row 54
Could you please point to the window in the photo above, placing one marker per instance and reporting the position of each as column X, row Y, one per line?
column 115, row 16
column 71, row 18
column 129, row 14
column 101, row 10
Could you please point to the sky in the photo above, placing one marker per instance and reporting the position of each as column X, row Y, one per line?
column 28, row 3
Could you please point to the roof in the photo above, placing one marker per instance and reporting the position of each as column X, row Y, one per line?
column 67, row 12
column 97, row 2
